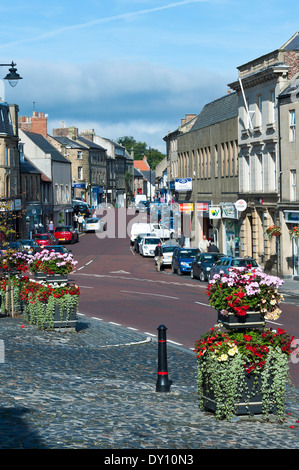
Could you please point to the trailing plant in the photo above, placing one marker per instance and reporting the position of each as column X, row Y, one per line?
column 14, row 261
column 245, row 289
column 225, row 358
column 273, row 231
column 42, row 299
column 294, row 232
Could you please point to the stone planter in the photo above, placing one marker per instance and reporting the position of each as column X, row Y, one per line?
column 250, row 320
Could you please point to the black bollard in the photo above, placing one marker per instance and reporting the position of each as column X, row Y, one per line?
column 163, row 384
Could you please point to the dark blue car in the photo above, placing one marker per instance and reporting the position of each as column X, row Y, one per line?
column 182, row 259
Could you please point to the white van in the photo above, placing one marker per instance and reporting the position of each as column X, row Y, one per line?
column 139, row 227
column 138, row 198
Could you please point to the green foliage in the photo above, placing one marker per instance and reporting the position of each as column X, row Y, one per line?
column 140, row 149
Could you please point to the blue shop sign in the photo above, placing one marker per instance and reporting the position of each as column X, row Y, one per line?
column 79, row 185
column 291, row 217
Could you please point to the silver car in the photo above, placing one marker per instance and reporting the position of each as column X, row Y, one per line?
column 224, row 265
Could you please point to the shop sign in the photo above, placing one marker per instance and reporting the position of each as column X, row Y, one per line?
column 292, row 217
column 79, row 185
column 202, row 206
column 229, row 211
column 183, row 184
column 215, row 212
column 186, row 207
column 241, row 205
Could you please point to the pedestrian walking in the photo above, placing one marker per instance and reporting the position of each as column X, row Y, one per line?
column 80, row 222
column 158, row 257
column 204, row 244
column 51, row 227
column 75, row 220
column 182, row 240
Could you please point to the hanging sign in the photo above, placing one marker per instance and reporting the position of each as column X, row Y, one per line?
column 241, row 205
column 215, row 212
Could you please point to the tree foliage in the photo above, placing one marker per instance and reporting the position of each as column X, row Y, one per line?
column 140, row 149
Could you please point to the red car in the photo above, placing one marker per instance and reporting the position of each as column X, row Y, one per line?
column 45, row 239
column 66, row 234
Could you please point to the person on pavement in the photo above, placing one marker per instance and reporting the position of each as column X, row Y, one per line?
column 204, row 244
column 158, row 257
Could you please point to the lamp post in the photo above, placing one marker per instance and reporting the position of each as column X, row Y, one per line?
column 12, row 76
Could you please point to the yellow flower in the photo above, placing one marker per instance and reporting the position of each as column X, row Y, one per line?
column 223, row 357
column 232, row 351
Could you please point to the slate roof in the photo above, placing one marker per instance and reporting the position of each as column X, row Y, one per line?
column 218, row 110
column 293, row 44
column 27, row 167
column 46, row 147
column 5, row 123
column 73, row 144
column 293, row 87
column 90, row 144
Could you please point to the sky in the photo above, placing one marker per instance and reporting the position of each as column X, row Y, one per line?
column 133, row 67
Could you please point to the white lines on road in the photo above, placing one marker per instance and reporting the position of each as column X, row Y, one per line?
column 113, row 323
column 149, row 293
column 96, row 318
column 89, row 262
column 86, row 287
column 200, row 303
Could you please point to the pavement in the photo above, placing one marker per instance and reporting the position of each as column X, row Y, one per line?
column 96, row 389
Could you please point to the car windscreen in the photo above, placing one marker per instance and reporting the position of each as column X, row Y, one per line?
column 188, row 253
column 168, row 249
column 92, row 221
column 41, row 237
column 151, row 241
column 244, row 262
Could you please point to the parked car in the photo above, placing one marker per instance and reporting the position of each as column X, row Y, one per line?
column 138, row 240
column 167, row 251
column 45, row 239
column 147, row 245
column 81, row 208
column 66, row 234
column 142, row 206
column 227, row 262
column 162, row 231
column 202, row 264
column 58, row 249
column 17, row 246
column 182, row 259
column 94, row 224
column 31, row 246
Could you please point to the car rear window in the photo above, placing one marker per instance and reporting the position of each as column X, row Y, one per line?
column 168, row 249
column 151, row 241
column 41, row 237
column 187, row 253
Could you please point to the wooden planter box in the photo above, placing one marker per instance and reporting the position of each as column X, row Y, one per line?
column 250, row 320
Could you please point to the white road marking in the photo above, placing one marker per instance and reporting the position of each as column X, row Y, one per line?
column 200, row 303
column 149, row 293
column 89, row 262
column 112, row 323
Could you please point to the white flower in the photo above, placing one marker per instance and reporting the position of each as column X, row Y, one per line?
column 232, row 351
column 223, row 358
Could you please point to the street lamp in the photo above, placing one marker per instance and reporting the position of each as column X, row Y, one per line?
column 12, row 76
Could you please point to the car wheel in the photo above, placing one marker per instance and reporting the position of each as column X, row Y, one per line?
column 180, row 272
column 202, row 276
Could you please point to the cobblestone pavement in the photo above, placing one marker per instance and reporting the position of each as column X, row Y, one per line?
column 96, row 389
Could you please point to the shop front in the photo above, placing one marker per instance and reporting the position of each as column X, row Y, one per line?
column 292, row 221
column 230, row 229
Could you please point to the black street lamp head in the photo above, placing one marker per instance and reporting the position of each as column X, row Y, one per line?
column 12, row 76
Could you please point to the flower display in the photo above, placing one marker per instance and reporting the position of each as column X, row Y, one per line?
column 244, row 289
column 14, row 260
column 41, row 300
column 253, row 346
column 294, row 232
column 226, row 360
column 273, row 231
column 50, row 262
